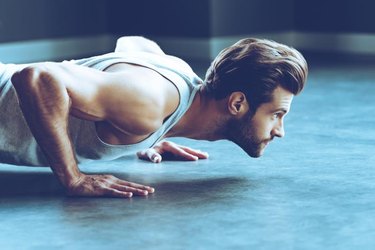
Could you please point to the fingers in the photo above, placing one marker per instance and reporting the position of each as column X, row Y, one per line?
column 171, row 150
column 131, row 190
column 179, row 152
column 108, row 185
column 135, row 187
column 185, row 153
column 150, row 154
column 116, row 193
column 130, row 187
column 153, row 155
column 117, row 190
column 200, row 154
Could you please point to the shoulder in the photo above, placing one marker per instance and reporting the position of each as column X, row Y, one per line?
column 137, row 43
column 180, row 64
column 131, row 44
column 138, row 99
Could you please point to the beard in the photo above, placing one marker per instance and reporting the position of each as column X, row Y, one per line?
column 244, row 133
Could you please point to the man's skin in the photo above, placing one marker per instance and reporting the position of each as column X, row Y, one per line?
column 127, row 109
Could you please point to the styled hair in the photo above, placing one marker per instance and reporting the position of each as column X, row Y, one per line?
column 256, row 67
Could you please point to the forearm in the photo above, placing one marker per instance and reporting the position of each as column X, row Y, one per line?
column 47, row 93
column 45, row 104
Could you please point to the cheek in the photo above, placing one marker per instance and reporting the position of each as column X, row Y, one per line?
column 263, row 127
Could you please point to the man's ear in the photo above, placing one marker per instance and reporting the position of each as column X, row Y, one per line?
column 237, row 104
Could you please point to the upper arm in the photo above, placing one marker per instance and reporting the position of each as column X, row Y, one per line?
column 131, row 100
column 137, row 43
column 79, row 85
column 82, row 84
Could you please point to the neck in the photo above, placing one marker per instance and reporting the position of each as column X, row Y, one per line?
column 201, row 120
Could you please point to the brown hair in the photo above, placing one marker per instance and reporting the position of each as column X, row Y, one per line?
column 256, row 67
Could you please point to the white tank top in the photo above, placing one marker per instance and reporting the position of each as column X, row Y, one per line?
column 18, row 146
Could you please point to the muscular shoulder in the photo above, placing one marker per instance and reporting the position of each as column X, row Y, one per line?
column 137, row 43
column 139, row 100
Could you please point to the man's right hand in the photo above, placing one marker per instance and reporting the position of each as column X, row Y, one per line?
column 47, row 92
column 106, row 185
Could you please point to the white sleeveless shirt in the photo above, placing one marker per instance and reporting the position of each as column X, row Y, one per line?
column 18, row 146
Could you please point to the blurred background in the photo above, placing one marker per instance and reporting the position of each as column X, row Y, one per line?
column 194, row 30
column 312, row 190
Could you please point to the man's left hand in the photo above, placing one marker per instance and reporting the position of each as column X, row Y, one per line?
column 170, row 150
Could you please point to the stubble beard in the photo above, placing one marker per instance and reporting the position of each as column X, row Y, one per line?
column 243, row 133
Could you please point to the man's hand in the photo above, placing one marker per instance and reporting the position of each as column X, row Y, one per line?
column 170, row 150
column 106, row 185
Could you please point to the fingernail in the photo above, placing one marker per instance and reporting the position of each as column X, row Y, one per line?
column 155, row 158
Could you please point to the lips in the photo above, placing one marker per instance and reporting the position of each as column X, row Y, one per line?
column 266, row 142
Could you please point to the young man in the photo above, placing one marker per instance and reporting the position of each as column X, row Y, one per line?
column 104, row 107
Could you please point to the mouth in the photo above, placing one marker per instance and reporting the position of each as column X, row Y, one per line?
column 266, row 142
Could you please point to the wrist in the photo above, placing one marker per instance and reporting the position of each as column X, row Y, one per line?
column 68, row 176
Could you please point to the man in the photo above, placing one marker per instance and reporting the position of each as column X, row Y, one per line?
column 62, row 114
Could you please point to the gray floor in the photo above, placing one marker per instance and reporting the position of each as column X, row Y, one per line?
column 314, row 189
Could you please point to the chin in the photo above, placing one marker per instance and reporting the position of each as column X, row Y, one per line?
column 255, row 153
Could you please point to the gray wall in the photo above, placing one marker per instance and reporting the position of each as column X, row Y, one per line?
column 335, row 16
column 40, row 19
column 168, row 18
column 190, row 24
column 243, row 17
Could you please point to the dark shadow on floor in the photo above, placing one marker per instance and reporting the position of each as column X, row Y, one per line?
column 208, row 189
column 45, row 184
column 29, row 184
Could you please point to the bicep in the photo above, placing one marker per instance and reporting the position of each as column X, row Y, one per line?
column 132, row 100
column 99, row 95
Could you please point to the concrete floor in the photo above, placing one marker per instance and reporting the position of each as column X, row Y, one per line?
column 314, row 189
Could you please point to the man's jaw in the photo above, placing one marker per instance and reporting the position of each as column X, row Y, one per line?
column 262, row 147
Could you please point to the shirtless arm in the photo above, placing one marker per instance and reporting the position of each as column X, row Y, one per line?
column 47, row 95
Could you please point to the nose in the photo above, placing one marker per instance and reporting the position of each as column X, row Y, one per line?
column 278, row 130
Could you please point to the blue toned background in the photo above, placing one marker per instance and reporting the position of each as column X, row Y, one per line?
column 314, row 189
column 196, row 29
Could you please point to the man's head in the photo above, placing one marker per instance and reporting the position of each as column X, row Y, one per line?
column 258, row 78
